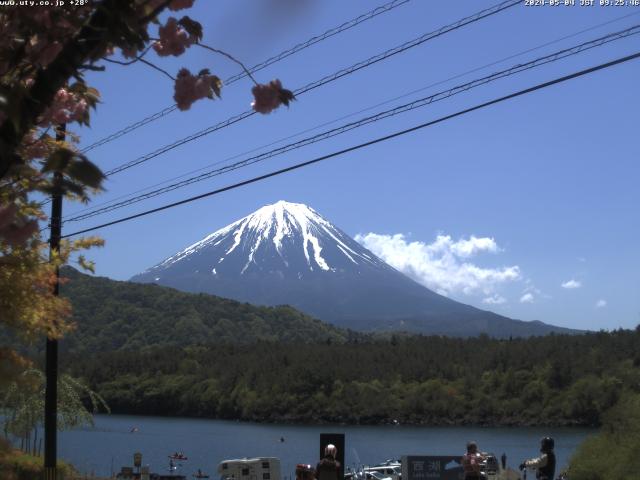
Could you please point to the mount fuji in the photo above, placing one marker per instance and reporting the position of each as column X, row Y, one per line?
column 287, row 253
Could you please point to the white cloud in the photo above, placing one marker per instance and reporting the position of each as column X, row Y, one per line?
column 601, row 303
column 571, row 284
column 467, row 248
column 439, row 265
column 495, row 299
column 527, row 298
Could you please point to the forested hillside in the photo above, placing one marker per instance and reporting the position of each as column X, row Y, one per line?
column 112, row 315
column 612, row 454
column 560, row 380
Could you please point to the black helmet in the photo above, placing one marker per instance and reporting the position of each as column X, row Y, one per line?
column 547, row 444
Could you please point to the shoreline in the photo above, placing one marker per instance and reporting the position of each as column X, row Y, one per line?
column 288, row 421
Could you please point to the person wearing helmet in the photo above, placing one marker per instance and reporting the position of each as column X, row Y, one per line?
column 545, row 464
column 471, row 462
column 328, row 467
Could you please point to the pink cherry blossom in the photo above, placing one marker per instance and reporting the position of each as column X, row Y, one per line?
column 129, row 52
column 15, row 231
column 66, row 107
column 34, row 148
column 18, row 234
column 180, row 4
column 268, row 97
column 189, row 88
column 7, row 215
column 174, row 39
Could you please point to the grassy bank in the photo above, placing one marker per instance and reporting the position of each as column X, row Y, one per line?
column 17, row 465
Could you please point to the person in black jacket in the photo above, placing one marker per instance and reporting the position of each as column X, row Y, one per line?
column 545, row 464
column 328, row 467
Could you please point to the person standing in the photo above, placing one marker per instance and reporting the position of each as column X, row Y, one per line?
column 471, row 462
column 545, row 464
column 328, row 467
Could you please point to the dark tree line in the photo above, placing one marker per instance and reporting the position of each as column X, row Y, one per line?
column 558, row 379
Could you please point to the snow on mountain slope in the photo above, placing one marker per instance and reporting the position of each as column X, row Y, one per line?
column 287, row 253
column 275, row 236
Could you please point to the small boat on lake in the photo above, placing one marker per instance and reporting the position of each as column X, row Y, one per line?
column 178, row 456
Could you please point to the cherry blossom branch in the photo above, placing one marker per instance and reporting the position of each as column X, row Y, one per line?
column 140, row 59
column 230, row 57
column 131, row 62
column 47, row 82
column 93, row 68
column 157, row 68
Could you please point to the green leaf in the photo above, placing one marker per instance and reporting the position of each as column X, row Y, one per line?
column 85, row 172
column 217, row 86
column 192, row 27
column 58, row 160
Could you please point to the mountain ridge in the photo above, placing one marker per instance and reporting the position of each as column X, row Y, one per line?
column 116, row 315
column 287, row 253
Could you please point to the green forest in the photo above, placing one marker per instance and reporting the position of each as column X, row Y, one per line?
column 152, row 350
column 552, row 380
column 612, row 454
column 112, row 315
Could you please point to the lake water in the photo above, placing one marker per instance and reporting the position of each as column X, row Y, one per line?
column 208, row 442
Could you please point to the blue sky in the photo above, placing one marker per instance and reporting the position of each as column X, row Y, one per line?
column 499, row 208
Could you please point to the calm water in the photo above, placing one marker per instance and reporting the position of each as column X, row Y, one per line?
column 207, row 442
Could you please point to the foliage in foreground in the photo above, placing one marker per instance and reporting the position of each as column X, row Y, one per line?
column 22, row 405
column 559, row 380
column 613, row 453
column 45, row 52
column 16, row 465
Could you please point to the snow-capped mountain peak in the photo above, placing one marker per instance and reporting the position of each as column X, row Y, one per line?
column 274, row 237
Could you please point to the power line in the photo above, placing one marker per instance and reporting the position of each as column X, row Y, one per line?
column 534, row 88
column 519, row 68
column 325, row 80
column 312, row 41
column 387, row 7
column 343, row 117
column 130, row 128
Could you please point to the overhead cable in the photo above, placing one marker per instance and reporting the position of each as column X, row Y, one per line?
column 352, row 114
column 418, row 103
column 323, row 81
column 387, row 7
column 519, row 93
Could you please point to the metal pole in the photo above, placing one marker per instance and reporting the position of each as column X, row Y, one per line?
column 51, row 370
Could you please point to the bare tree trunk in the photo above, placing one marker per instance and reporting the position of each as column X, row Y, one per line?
column 35, row 440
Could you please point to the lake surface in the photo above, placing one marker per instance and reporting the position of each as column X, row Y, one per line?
column 208, row 442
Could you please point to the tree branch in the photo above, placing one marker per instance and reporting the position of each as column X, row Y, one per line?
column 93, row 68
column 131, row 62
column 230, row 57
column 157, row 68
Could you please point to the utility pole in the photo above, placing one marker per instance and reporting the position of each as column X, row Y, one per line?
column 51, row 370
